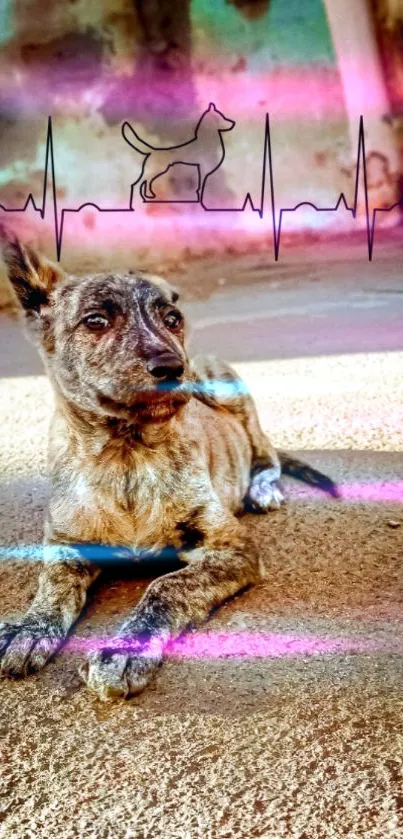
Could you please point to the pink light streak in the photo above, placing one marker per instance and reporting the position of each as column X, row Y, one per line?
column 384, row 491
column 360, row 491
column 218, row 645
column 299, row 91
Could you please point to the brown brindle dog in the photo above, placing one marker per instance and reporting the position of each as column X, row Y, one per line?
column 148, row 451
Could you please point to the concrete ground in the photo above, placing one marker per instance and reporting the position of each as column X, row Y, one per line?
column 283, row 716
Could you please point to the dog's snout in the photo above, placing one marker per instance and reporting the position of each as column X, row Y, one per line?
column 166, row 367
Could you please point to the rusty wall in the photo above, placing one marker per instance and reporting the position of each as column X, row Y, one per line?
column 158, row 64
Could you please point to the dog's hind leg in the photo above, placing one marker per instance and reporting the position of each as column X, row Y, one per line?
column 148, row 174
column 152, row 176
column 219, row 386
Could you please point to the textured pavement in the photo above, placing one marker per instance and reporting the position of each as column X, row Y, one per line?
column 281, row 717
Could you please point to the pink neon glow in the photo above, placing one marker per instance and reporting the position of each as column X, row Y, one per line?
column 216, row 645
column 377, row 491
column 287, row 92
column 176, row 233
column 385, row 491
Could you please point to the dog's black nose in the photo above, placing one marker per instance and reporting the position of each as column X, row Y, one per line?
column 166, row 366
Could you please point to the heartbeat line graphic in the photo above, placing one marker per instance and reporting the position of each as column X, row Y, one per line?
column 267, row 204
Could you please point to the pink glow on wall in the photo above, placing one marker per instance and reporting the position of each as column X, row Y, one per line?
column 287, row 92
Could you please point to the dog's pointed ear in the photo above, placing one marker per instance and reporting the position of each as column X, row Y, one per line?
column 31, row 277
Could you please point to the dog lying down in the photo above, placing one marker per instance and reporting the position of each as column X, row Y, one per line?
column 148, row 450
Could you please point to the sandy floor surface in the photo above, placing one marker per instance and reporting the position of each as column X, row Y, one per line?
column 283, row 716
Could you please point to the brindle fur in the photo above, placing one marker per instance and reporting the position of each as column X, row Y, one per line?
column 134, row 463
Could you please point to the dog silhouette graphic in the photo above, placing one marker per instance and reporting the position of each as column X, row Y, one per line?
column 205, row 151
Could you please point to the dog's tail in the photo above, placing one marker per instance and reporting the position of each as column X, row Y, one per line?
column 140, row 145
column 303, row 472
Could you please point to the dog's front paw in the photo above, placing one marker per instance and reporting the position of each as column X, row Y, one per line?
column 263, row 494
column 26, row 646
column 114, row 673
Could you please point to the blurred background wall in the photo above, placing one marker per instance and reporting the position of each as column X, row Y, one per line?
column 158, row 64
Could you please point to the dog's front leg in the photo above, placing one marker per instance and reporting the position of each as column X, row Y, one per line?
column 215, row 571
column 27, row 644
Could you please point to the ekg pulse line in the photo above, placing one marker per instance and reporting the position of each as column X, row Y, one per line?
column 264, row 206
column 41, row 209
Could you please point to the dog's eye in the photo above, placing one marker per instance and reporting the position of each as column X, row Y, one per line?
column 173, row 319
column 96, row 322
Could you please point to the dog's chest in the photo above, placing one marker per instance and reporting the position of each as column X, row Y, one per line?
column 140, row 504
